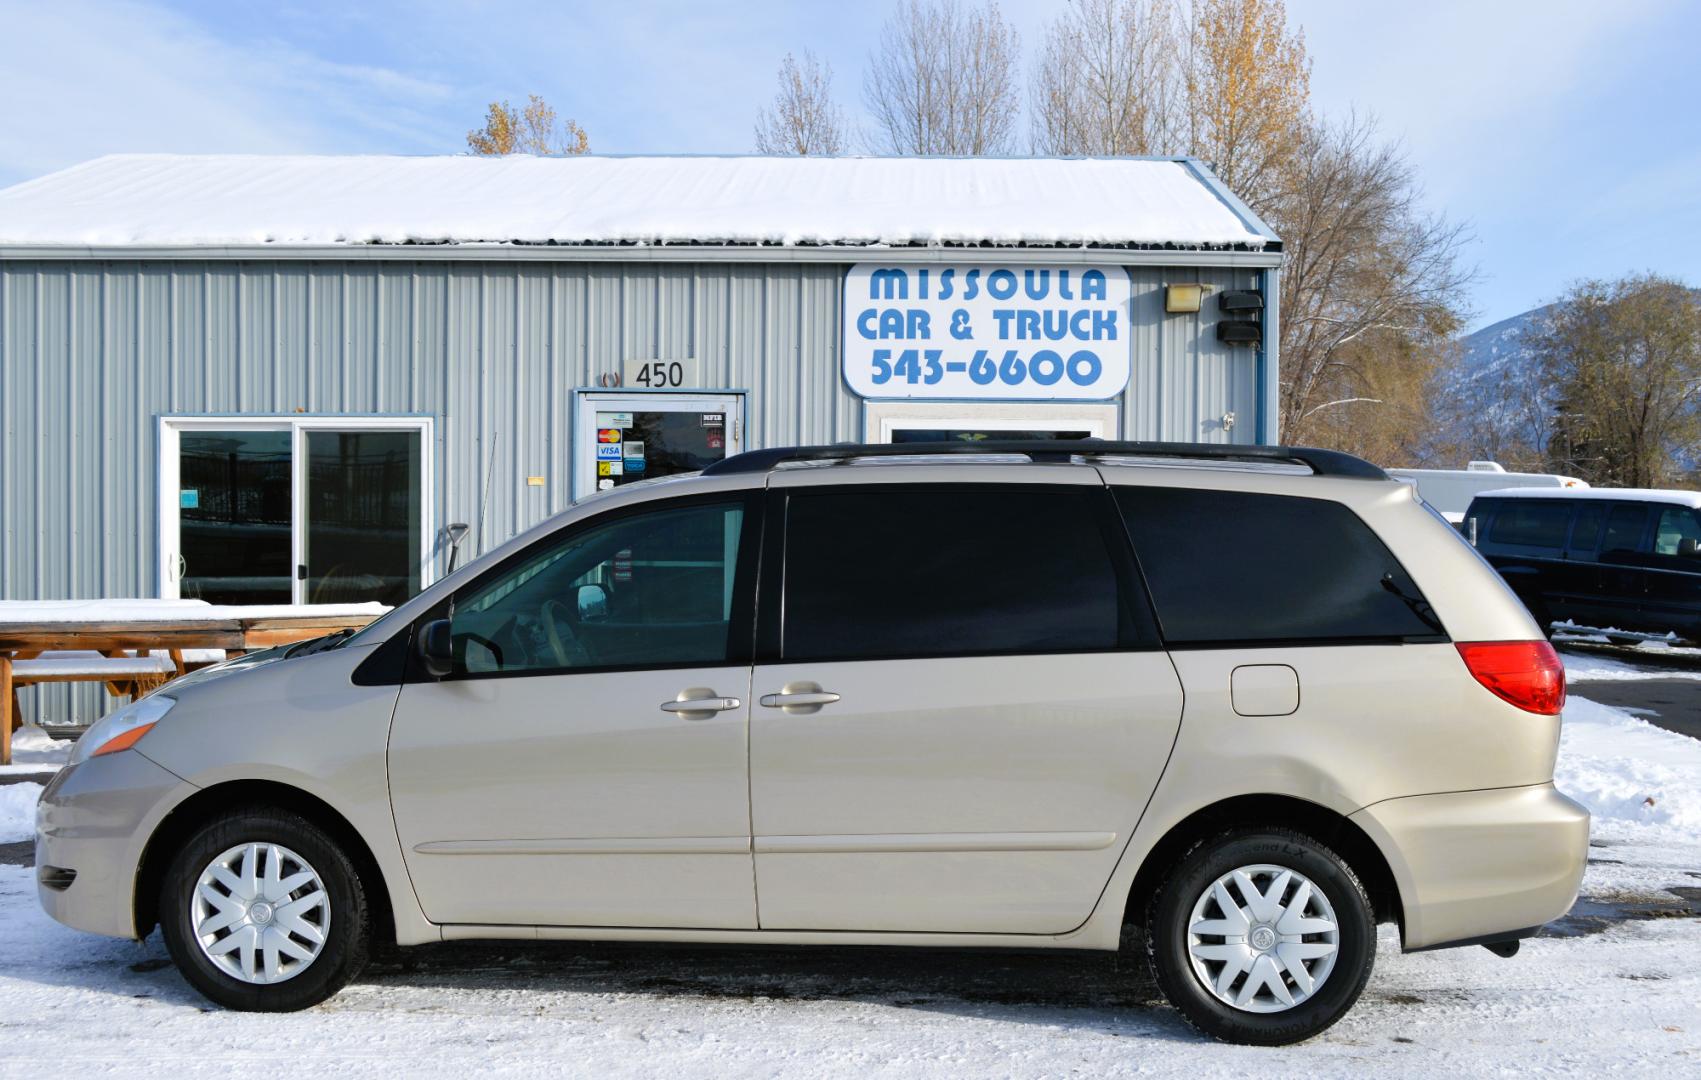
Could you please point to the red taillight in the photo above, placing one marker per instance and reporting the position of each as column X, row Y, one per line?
column 1526, row 673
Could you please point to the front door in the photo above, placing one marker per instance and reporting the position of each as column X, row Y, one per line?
column 585, row 763
column 624, row 438
column 967, row 712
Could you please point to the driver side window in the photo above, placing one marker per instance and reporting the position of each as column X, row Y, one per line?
column 651, row 589
column 1677, row 524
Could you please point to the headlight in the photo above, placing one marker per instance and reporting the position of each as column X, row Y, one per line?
column 122, row 729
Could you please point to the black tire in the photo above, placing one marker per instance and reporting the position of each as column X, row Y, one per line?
column 1168, row 935
column 347, row 943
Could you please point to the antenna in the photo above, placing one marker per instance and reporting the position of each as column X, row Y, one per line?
column 489, row 475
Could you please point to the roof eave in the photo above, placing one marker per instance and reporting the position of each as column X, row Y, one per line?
column 1209, row 178
column 1142, row 255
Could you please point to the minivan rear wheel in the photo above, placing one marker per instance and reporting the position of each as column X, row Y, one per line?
column 1261, row 936
column 262, row 911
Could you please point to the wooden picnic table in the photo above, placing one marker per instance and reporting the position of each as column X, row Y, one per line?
column 115, row 628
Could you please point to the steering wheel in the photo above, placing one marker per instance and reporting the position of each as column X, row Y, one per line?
column 563, row 642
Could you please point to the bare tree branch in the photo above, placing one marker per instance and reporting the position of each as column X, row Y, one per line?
column 943, row 81
column 805, row 121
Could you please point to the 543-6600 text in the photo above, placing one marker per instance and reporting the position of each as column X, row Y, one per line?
column 1046, row 367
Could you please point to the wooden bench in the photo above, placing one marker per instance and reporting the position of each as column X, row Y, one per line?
column 123, row 672
column 146, row 641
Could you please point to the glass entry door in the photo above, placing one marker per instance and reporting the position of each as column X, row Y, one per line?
column 623, row 438
column 293, row 510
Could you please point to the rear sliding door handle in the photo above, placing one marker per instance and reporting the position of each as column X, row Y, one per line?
column 700, row 703
column 799, row 698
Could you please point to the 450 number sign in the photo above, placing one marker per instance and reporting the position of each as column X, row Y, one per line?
column 660, row 374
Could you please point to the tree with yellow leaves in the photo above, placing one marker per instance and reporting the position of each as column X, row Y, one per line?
column 1248, row 81
column 532, row 130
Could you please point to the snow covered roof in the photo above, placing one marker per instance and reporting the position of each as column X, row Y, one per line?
column 1674, row 496
column 164, row 200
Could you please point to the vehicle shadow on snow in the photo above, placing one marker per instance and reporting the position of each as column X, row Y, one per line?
column 1102, row 993
column 1099, row 993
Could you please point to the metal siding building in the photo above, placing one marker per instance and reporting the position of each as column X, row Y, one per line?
column 495, row 352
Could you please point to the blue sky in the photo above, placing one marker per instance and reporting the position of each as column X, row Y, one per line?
column 1567, row 134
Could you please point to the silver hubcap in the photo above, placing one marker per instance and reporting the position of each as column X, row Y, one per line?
column 1263, row 938
column 260, row 913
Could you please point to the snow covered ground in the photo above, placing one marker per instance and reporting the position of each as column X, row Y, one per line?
column 1581, row 668
column 1606, row 994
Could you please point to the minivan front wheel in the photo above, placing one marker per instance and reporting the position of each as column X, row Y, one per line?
column 263, row 911
column 1261, row 936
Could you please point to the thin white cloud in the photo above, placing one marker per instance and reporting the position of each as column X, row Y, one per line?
column 1459, row 80
column 89, row 78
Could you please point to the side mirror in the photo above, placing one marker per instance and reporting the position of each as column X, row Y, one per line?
column 592, row 602
column 1689, row 549
column 436, row 648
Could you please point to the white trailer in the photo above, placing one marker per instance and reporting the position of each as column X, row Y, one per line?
column 1450, row 491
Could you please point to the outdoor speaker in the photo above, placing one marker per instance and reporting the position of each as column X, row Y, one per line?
column 1240, row 300
column 1239, row 332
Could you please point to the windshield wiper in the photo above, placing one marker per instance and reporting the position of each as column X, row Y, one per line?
column 318, row 644
column 1418, row 605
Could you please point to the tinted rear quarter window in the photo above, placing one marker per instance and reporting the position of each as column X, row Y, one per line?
column 1234, row 567
column 912, row 572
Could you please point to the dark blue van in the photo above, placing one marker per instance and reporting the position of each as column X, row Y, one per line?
column 1625, row 559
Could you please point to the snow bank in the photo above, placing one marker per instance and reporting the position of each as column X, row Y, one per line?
column 17, row 812
column 33, row 746
column 1625, row 769
column 169, row 199
column 1590, row 668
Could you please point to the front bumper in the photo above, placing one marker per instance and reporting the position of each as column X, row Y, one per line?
column 1477, row 865
column 95, row 819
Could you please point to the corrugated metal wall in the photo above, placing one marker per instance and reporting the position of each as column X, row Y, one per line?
column 93, row 353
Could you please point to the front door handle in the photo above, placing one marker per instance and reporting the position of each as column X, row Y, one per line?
column 699, row 703
column 799, row 698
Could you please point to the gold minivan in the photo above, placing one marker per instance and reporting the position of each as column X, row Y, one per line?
column 1249, row 700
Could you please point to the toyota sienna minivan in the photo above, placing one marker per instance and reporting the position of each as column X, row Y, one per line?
column 1247, row 702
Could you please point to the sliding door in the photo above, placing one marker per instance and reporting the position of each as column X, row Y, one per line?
column 294, row 510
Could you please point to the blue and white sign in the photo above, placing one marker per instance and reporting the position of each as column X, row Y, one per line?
column 1037, row 333
column 608, row 451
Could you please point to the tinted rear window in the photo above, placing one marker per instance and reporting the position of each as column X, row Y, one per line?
column 1531, row 523
column 1236, row 567
column 1586, row 529
column 908, row 572
column 1624, row 529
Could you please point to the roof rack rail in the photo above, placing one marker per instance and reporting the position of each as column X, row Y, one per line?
column 1320, row 462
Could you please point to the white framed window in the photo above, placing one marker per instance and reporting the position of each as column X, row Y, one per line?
column 917, row 421
column 295, row 509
